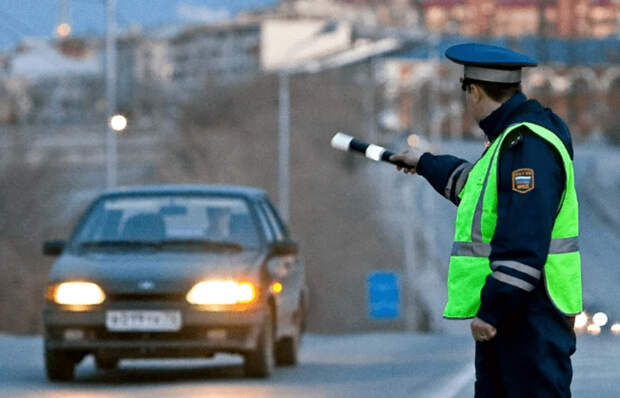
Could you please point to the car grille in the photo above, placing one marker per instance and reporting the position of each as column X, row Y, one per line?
column 187, row 333
column 146, row 297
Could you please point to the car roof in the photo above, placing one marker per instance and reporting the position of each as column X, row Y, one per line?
column 215, row 189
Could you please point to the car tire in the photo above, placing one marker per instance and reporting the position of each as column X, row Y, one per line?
column 106, row 363
column 287, row 348
column 59, row 365
column 261, row 361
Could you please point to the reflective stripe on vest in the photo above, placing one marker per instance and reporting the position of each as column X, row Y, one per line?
column 471, row 249
column 475, row 227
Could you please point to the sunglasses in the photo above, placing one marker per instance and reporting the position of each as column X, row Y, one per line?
column 465, row 83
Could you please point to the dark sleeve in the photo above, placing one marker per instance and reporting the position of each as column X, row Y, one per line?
column 524, row 222
column 446, row 173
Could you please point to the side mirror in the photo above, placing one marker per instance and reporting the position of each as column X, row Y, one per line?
column 54, row 247
column 285, row 248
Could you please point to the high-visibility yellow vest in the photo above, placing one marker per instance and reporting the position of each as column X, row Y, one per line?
column 475, row 226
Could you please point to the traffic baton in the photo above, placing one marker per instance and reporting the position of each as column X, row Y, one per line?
column 374, row 152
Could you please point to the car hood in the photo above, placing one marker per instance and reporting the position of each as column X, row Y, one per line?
column 155, row 272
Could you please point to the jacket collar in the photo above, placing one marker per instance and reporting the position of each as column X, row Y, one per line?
column 499, row 119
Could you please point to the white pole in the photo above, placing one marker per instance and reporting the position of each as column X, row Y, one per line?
column 110, row 51
column 283, row 144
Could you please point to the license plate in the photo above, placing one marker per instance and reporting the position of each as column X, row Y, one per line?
column 217, row 334
column 143, row 321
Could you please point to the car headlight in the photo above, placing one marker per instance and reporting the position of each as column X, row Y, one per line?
column 78, row 293
column 221, row 293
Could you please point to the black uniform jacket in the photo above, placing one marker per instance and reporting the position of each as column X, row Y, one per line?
column 524, row 219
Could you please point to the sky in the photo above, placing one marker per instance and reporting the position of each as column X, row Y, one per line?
column 38, row 18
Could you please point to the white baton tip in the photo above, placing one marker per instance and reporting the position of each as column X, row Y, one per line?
column 341, row 141
column 374, row 152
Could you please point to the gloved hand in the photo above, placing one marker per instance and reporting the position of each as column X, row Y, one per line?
column 410, row 156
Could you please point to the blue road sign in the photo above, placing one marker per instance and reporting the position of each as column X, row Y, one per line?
column 383, row 295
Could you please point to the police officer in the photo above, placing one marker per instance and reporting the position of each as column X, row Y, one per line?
column 515, row 263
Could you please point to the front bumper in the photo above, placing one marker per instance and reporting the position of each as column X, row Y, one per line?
column 203, row 332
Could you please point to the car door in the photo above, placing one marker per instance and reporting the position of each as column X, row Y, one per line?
column 286, row 269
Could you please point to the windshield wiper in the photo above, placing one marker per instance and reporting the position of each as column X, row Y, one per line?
column 207, row 244
column 121, row 243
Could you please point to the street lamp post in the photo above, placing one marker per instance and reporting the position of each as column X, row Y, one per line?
column 110, row 51
column 284, row 102
column 63, row 25
column 284, row 122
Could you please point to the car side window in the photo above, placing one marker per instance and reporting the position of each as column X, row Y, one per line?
column 274, row 221
column 265, row 227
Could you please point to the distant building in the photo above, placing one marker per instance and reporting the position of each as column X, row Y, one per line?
column 220, row 53
column 36, row 59
column 552, row 18
column 293, row 42
column 578, row 78
column 53, row 82
column 59, row 100
column 152, row 73
column 367, row 13
column 153, row 61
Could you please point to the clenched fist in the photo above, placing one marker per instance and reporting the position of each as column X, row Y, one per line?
column 481, row 330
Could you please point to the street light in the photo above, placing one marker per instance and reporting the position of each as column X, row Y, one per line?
column 63, row 30
column 118, row 123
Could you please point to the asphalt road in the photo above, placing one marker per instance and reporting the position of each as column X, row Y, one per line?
column 366, row 365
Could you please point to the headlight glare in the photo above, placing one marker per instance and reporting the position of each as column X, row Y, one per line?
column 581, row 320
column 600, row 319
column 221, row 293
column 78, row 293
column 594, row 329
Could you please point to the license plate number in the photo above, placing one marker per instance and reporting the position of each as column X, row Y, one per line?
column 143, row 321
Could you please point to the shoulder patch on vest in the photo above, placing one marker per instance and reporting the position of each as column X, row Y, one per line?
column 522, row 180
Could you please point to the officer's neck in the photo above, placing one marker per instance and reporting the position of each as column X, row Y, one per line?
column 486, row 107
column 497, row 115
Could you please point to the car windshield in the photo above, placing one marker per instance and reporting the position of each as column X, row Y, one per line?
column 169, row 222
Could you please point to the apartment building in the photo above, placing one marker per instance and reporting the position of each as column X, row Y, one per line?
column 219, row 53
column 554, row 18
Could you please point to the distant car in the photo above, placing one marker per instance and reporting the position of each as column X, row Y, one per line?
column 175, row 271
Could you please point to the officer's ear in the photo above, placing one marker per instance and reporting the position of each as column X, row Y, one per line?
column 477, row 93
